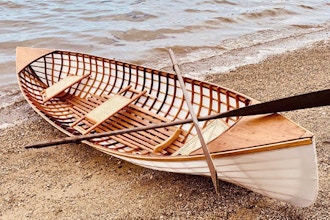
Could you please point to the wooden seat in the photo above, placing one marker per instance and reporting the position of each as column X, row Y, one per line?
column 107, row 109
column 57, row 88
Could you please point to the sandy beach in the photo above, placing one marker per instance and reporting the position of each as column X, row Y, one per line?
column 77, row 182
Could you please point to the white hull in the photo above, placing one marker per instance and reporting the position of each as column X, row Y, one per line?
column 287, row 174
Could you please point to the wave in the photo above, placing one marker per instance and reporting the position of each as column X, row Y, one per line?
column 268, row 13
column 133, row 16
column 221, row 21
column 307, row 7
column 11, row 5
column 224, row 2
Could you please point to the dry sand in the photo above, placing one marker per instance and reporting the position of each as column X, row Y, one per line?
column 77, row 182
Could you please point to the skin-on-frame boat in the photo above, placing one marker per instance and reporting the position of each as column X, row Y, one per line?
column 81, row 94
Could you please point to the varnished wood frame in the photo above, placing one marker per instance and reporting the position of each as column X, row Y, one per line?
column 32, row 82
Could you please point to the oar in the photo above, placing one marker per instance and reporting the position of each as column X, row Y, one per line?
column 193, row 115
column 308, row 100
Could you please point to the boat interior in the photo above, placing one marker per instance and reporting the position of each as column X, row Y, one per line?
column 83, row 94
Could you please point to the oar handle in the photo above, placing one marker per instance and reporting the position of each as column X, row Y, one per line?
column 77, row 139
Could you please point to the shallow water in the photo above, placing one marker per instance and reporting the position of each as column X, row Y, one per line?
column 139, row 31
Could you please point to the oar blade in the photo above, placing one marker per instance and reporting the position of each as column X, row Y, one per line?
column 309, row 100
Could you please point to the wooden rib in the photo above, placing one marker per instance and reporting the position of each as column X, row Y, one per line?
column 52, row 69
column 151, row 87
column 116, row 74
column 210, row 98
column 173, row 97
column 45, row 68
column 200, row 99
column 101, row 80
column 157, row 90
column 144, row 87
column 166, row 91
column 85, row 85
column 90, row 72
column 130, row 74
column 122, row 81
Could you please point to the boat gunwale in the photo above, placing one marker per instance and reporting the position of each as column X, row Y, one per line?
column 255, row 149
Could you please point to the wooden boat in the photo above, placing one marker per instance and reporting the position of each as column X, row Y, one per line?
column 83, row 94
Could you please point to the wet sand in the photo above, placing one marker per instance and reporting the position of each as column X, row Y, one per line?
column 77, row 182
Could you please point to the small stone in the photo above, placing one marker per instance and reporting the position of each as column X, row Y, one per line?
column 89, row 175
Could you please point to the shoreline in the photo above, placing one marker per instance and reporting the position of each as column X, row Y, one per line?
column 77, row 181
column 226, row 55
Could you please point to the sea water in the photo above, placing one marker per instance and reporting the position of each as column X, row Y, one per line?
column 139, row 31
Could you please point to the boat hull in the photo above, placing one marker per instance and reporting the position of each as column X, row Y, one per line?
column 286, row 174
column 270, row 154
